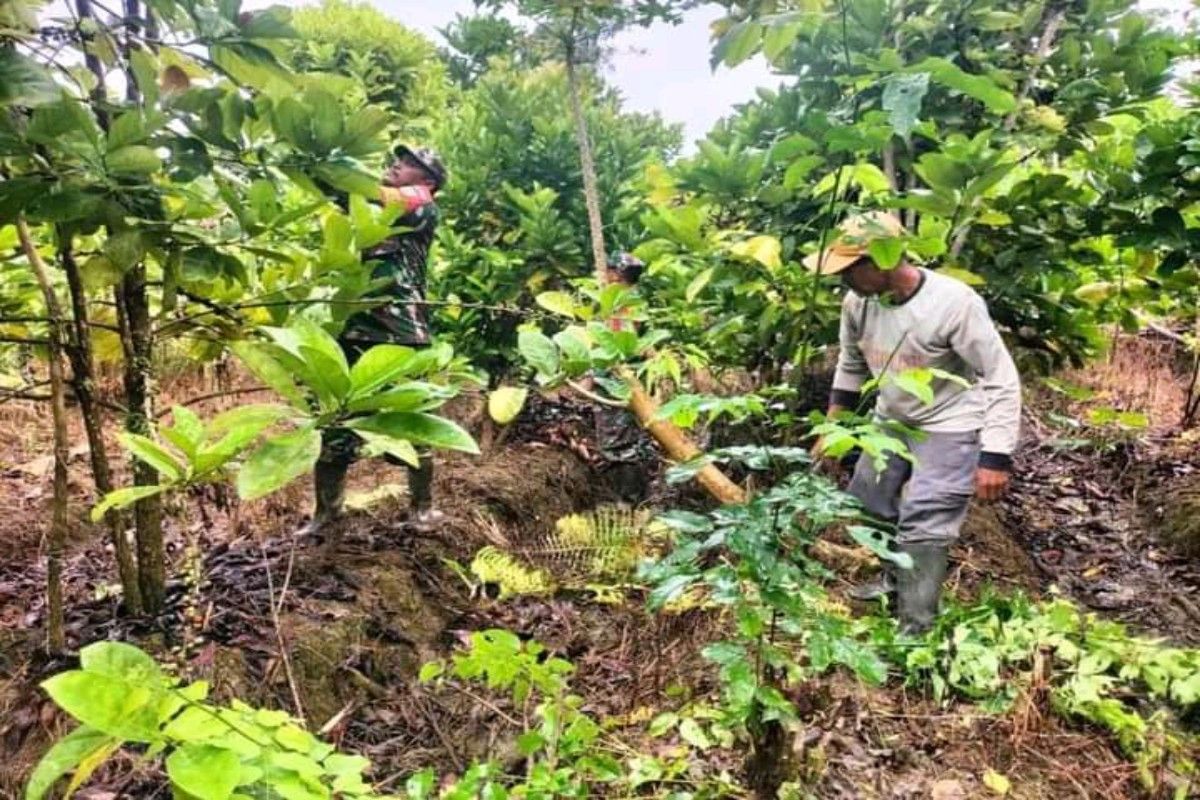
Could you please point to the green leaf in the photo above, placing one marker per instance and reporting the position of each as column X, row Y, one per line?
column 739, row 43
column 150, row 452
column 559, row 303
column 506, row 402
column 763, row 249
column 63, row 757
column 122, row 498
column 24, row 82
column 107, row 704
column 381, row 444
column 122, row 661
column 133, row 159
column 886, row 253
column 420, row 429
column 539, row 351
column 128, row 128
column 204, row 771
column 663, row 723
column 378, row 367
column 412, row 396
column 916, row 382
column 268, row 370
column 902, row 96
column 278, row 462
column 979, row 87
column 697, row 284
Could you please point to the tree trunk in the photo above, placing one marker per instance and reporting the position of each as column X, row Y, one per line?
column 134, row 315
column 55, row 635
column 83, row 382
column 587, row 164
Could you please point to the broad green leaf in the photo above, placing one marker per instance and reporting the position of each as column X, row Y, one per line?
column 378, row 367
column 278, row 462
column 64, row 756
column 886, row 253
column 763, row 249
column 133, row 159
column 420, row 429
column 269, row 371
column 122, row 661
column 506, row 402
column 128, row 128
column 122, row 498
column 107, row 704
column 411, row 396
column 89, row 764
column 204, row 771
column 902, row 96
column 150, row 452
column 916, row 382
column 1095, row 293
column 381, row 444
column 877, row 542
column 539, row 351
column 559, row 303
column 256, row 415
column 663, row 723
column 979, row 87
column 739, row 43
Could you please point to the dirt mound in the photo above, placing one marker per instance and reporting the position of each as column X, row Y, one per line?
column 1173, row 509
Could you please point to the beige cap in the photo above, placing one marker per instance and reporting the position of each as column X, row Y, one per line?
column 855, row 235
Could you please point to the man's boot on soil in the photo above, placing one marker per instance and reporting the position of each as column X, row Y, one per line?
column 329, row 488
column 423, row 516
column 884, row 584
column 919, row 589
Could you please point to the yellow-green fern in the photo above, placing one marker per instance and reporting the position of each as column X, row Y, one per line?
column 511, row 575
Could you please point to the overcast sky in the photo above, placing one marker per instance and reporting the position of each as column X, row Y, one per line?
column 663, row 68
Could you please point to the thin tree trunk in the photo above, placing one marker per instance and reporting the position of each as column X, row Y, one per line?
column 134, row 314
column 55, row 636
column 83, row 381
column 591, row 191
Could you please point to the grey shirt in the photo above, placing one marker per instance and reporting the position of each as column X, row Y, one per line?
column 944, row 325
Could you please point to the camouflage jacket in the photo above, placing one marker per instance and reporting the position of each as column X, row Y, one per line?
column 401, row 262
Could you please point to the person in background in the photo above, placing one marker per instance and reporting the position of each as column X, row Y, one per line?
column 412, row 181
column 894, row 320
column 624, row 447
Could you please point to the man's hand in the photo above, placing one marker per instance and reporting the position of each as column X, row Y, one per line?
column 990, row 483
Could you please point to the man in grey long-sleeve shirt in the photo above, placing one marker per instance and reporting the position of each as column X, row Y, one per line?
column 908, row 318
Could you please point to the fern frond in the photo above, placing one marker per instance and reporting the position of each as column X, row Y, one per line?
column 491, row 565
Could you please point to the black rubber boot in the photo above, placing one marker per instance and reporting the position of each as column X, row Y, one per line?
column 329, row 489
column 420, row 491
column 918, row 590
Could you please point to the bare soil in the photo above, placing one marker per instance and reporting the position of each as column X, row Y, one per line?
column 355, row 635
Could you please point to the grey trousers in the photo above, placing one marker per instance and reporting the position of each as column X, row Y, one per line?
column 928, row 500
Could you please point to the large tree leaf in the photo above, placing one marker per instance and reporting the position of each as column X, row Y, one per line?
column 107, row 704
column 278, row 462
column 506, row 402
column 134, row 159
column 418, row 428
column 379, row 366
column 539, row 351
column 980, row 87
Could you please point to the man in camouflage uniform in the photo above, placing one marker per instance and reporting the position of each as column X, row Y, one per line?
column 412, row 181
column 624, row 446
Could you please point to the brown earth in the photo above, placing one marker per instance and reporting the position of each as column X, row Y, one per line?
column 355, row 635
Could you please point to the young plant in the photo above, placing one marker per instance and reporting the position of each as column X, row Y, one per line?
column 122, row 698
column 385, row 399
